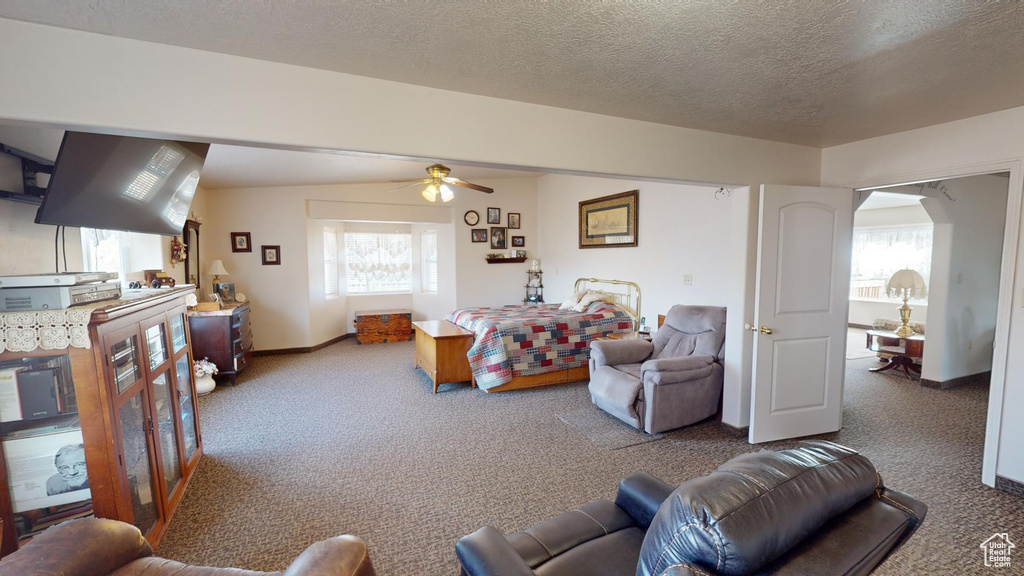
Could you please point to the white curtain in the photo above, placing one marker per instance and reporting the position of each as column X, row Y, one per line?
column 105, row 251
column 378, row 261
column 879, row 252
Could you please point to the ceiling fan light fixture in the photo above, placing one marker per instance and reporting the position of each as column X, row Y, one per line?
column 430, row 193
column 446, row 193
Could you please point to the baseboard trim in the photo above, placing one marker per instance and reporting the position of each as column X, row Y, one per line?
column 1010, row 486
column 735, row 431
column 861, row 326
column 981, row 377
column 304, row 350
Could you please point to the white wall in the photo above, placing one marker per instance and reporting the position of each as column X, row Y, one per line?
column 682, row 230
column 965, row 275
column 117, row 84
column 982, row 144
column 288, row 302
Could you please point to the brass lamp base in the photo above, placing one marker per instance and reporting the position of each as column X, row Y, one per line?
column 904, row 331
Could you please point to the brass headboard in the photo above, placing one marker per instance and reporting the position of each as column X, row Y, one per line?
column 625, row 299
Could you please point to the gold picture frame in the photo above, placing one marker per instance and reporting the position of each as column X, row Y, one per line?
column 609, row 221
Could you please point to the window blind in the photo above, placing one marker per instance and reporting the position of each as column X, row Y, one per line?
column 428, row 252
column 331, row 284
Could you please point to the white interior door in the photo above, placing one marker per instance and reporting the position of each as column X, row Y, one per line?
column 800, row 311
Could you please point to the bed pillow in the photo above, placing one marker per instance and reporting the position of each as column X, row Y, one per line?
column 573, row 300
column 589, row 298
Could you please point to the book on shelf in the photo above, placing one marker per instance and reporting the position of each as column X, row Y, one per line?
column 40, row 393
column 10, row 399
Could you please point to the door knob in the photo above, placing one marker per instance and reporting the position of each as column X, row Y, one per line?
column 764, row 329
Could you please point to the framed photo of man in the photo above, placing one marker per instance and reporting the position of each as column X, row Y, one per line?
column 47, row 470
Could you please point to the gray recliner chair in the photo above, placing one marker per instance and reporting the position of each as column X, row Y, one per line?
column 674, row 381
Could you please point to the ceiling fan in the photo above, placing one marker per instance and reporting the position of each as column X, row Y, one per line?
column 437, row 184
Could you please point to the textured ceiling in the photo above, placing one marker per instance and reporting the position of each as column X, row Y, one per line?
column 809, row 72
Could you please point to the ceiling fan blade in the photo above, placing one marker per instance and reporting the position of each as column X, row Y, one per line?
column 415, row 183
column 470, row 185
column 423, row 180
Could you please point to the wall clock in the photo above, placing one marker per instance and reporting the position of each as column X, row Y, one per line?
column 471, row 218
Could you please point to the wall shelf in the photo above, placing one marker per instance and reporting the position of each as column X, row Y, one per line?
column 506, row 260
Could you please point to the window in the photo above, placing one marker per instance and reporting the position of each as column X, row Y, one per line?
column 331, row 262
column 428, row 255
column 879, row 252
column 105, row 251
column 378, row 262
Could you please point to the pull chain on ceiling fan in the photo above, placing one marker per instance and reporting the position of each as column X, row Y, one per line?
column 438, row 181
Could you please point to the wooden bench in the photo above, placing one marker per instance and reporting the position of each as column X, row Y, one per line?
column 441, row 352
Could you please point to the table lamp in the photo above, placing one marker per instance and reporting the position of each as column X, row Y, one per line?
column 906, row 284
column 216, row 269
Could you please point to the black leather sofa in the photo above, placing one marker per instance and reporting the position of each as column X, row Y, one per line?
column 818, row 509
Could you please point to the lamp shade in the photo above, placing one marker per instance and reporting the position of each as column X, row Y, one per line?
column 217, row 269
column 907, row 283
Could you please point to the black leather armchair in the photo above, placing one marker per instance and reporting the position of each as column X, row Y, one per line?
column 598, row 538
column 818, row 509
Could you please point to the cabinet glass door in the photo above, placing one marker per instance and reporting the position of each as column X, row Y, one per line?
column 178, row 333
column 157, row 345
column 188, row 410
column 166, row 432
column 124, row 357
column 141, row 485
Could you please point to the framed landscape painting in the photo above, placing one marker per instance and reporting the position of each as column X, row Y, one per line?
column 609, row 221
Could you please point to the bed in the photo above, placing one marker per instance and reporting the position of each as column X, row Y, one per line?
column 536, row 345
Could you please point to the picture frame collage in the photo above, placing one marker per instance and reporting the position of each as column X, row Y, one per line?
column 497, row 237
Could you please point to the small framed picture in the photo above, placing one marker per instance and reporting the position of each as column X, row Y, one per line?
column 513, row 220
column 226, row 292
column 498, row 238
column 494, row 215
column 479, row 234
column 271, row 255
column 520, row 253
column 518, row 241
column 241, row 242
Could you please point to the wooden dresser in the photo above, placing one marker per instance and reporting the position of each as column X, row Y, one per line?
column 225, row 337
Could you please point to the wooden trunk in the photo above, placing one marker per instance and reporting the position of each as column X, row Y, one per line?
column 379, row 326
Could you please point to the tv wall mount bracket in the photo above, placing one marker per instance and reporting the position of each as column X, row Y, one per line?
column 31, row 167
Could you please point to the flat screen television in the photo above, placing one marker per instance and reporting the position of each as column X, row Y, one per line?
column 122, row 183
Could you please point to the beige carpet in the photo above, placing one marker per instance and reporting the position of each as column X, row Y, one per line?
column 605, row 430
column 350, row 440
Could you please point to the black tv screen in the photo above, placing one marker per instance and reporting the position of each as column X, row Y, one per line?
column 122, row 183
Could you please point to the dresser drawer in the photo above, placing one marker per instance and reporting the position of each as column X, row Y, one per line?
column 242, row 344
column 240, row 317
column 242, row 360
column 241, row 332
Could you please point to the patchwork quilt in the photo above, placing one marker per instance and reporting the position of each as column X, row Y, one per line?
column 528, row 340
